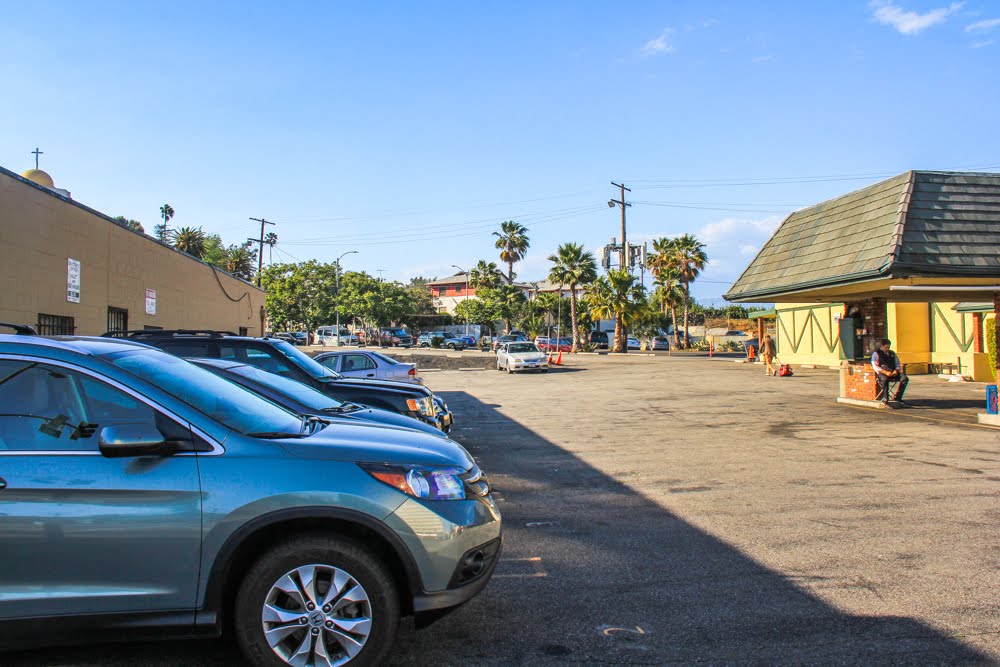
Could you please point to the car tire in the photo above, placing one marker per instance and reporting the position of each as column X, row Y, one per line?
column 319, row 557
column 510, row 371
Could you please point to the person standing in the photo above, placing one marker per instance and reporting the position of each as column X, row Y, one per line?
column 768, row 351
column 888, row 369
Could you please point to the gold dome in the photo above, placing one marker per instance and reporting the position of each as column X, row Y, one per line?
column 40, row 177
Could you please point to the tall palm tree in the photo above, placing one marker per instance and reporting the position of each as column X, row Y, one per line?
column 485, row 274
column 663, row 263
column 189, row 240
column 161, row 231
column 689, row 259
column 270, row 240
column 616, row 295
column 573, row 266
column 512, row 242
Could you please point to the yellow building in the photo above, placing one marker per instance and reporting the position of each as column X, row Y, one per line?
column 901, row 259
column 68, row 269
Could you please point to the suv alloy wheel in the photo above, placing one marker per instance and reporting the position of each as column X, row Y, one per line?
column 317, row 599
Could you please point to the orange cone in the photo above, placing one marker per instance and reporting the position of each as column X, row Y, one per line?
column 559, row 360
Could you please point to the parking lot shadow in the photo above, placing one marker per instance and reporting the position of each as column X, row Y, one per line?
column 594, row 572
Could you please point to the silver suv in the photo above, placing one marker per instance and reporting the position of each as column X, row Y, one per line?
column 143, row 496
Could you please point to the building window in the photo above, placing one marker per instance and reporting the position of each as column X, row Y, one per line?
column 117, row 319
column 55, row 325
column 244, row 331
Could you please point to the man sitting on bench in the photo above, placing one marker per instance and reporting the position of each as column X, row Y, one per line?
column 888, row 370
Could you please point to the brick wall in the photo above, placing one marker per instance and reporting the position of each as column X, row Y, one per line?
column 876, row 325
column 857, row 381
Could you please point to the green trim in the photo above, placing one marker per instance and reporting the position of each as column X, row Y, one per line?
column 757, row 314
column 812, row 307
column 765, row 294
column 971, row 307
column 963, row 344
column 807, row 325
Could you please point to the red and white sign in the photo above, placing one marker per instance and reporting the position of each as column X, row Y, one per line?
column 151, row 302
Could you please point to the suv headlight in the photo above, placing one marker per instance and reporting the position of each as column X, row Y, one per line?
column 424, row 405
column 420, row 482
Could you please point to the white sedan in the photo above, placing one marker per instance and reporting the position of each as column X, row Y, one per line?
column 521, row 356
column 369, row 364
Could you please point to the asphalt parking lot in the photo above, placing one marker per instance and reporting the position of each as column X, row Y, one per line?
column 680, row 510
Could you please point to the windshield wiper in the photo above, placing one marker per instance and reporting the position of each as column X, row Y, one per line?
column 342, row 408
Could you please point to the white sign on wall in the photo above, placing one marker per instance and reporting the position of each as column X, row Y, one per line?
column 151, row 302
column 73, row 281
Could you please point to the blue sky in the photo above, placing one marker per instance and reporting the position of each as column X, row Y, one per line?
column 408, row 131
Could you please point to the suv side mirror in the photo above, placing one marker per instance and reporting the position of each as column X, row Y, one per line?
column 127, row 440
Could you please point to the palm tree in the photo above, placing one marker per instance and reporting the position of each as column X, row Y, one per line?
column 270, row 240
column 189, row 240
column 662, row 262
column 512, row 242
column 485, row 275
column 689, row 259
column 616, row 295
column 240, row 261
column 161, row 231
column 573, row 266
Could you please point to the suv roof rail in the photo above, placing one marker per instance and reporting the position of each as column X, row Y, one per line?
column 20, row 329
column 155, row 333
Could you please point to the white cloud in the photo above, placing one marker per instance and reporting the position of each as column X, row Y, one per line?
column 979, row 45
column 748, row 250
column 735, row 229
column 909, row 22
column 659, row 45
column 983, row 26
column 763, row 59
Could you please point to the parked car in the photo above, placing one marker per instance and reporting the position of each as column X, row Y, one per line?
column 287, row 337
column 659, row 343
column 330, row 336
column 395, row 338
column 303, row 399
column 470, row 341
column 557, row 345
column 508, row 338
column 541, row 340
column 633, row 343
column 599, row 340
column 172, row 502
column 447, row 340
column 368, row 364
column 280, row 357
column 521, row 356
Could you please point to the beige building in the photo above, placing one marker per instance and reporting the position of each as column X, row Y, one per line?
column 68, row 269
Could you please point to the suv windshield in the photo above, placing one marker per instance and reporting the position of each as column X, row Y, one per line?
column 214, row 397
column 303, row 360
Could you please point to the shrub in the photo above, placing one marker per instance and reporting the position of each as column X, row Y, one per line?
column 436, row 341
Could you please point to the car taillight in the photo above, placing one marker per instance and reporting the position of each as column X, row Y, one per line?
column 412, row 371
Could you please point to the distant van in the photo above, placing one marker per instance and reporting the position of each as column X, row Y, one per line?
column 328, row 336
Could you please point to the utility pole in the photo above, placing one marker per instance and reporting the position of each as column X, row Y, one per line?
column 260, row 241
column 624, row 204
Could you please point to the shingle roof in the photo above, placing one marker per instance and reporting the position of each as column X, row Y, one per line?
column 917, row 223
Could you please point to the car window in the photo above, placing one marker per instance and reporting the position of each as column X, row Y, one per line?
column 356, row 362
column 305, row 394
column 303, row 361
column 521, row 347
column 384, row 359
column 49, row 408
column 184, row 348
column 232, row 406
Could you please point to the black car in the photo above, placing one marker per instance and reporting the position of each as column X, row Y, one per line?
column 304, row 400
column 395, row 338
column 282, row 358
column 599, row 340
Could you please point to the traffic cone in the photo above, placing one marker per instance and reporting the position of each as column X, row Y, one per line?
column 559, row 360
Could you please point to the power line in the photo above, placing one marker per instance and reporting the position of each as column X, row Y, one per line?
column 780, row 180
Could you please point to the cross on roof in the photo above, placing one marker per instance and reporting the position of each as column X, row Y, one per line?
column 36, row 153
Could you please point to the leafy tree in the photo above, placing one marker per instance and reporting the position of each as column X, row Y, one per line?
column 214, row 252
column 479, row 311
column 131, row 224
column 189, row 240
column 616, row 295
column 512, row 242
column 573, row 266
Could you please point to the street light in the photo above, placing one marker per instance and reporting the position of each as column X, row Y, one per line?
column 349, row 252
column 466, row 274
